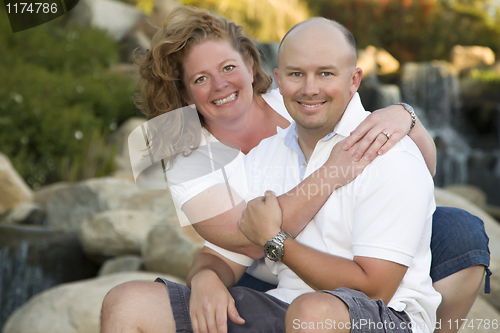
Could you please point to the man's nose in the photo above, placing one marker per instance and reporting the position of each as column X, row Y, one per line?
column 311, row 87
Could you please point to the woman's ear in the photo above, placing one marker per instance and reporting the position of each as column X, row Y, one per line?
column 186, row 99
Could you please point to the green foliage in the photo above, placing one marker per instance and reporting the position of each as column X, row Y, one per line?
column 416, row 30
column 59, row 101
column 488, row 77
column 263, row 20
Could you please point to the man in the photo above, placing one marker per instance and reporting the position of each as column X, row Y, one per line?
column 368, row 245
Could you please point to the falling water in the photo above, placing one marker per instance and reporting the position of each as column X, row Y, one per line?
column 433, row 89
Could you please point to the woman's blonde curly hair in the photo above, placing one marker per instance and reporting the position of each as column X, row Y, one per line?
column 161, row 70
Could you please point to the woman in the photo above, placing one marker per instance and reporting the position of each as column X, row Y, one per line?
column 204, row 60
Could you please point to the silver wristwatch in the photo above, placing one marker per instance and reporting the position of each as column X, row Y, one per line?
column 273, row 248
column 410, row 110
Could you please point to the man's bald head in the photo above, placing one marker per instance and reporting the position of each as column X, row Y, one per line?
column 323, row 23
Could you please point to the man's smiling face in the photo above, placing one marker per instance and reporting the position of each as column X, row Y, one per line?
column 317, row 76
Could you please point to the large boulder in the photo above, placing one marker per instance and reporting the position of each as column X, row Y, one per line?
column 171, row 249
column 24, row 213
column 482, row 318
column 68, row 207
column 120, row 139
column 70, row 308
column 470, row 192
column 121, row 264
column 117, row 232
column 466, row 57
column 446, row 198
column 13, row 189
column 42, row 195
column 377, row 95
column 96, row 13
column 376, row 61
column 33, row 259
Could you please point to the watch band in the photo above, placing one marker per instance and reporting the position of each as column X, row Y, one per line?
column 410, row 110
column 280, row 237
column 273, row 248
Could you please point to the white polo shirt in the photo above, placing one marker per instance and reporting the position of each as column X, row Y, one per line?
column 385, row 213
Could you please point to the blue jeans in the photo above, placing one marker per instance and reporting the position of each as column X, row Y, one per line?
column 458, row 241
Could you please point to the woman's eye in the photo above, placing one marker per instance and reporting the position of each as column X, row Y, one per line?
column 229, row 68
column 201, row 79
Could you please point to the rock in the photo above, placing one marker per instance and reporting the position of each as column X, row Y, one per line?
column 96, row 13
column 33, row 259
column 446, row 198
column 161, row 9
column 70, row 308
column 481, row 314
column 135, row 42
column 470, row 192
column 367, row 61
column 269, row 52
column 377, row 61
column 386, row 63
column 117, row 232
column 13, row 189
column 121, row 264
column 171, row 249
column 43, row 194
column 25, row 213
column 120, row 139
column 376, row 95
column 68, row 207
column 465, row 57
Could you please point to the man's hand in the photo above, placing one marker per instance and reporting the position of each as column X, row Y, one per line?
column 261, row 220
column 211, row 304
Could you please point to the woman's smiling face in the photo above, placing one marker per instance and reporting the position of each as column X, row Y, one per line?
column 218, row 80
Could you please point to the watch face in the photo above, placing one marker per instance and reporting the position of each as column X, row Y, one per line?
column 273, row 251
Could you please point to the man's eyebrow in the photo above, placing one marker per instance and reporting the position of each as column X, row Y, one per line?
column 321, row 68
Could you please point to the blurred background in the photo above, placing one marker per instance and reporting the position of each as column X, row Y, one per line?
column 66, row 108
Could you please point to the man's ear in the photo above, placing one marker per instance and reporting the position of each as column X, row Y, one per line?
column 357, row 75
column 277, row 78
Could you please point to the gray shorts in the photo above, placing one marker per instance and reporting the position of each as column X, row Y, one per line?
column 265, row 313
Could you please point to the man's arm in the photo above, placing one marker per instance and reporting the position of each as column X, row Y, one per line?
column 394, row 200
column 377, row 278
column 299, row 205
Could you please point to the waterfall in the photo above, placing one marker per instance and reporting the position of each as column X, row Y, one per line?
column 433, row 89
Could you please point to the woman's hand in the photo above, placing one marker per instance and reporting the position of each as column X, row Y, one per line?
column 393, row 120
column 211, row 304
column 342, row 165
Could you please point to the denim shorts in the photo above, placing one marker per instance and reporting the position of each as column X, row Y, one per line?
column 264, row 313
column 458, row 241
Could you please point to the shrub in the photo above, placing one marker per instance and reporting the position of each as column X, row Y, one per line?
column 59, row 101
